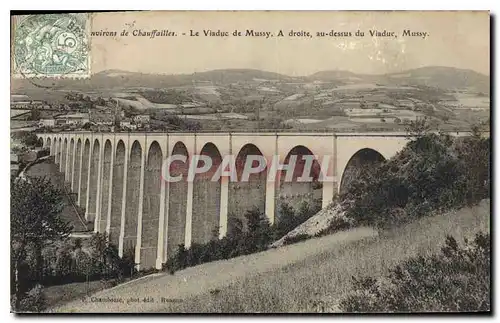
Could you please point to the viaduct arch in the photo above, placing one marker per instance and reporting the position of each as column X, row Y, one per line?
column 361, row 161
column 117, row 192
column 295, row 190
column 177, row 200
column 93, row 179
column 134, row 174
column 82, row 200
column 64, row 152
column 105, row 187
column 75, row 183
column 70, row 164
column 247, row 194
column 206, row 198
column 151, row 205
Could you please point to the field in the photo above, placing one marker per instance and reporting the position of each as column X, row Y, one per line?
column 308, row 276
column 217, row 99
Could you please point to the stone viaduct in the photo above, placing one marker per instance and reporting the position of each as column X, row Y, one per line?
column 117, row 179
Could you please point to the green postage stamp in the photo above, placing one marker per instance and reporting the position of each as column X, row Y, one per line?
column 51, row 46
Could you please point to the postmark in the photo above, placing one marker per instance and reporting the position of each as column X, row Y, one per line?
column 51, row 46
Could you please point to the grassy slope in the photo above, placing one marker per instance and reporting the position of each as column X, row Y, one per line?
column 322, row 280
column 61, row 294
column 293, row 278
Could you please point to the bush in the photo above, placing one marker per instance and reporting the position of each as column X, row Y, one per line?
column 456, row 280
column 27, row 138
column 296, row 238
column 255, row 236
column 433, row 172
column 290, row 217
column 251, row 235
column 34, row 300
column 67, row 262
column 337, row 224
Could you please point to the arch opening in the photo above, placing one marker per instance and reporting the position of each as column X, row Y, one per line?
column 362, row 160
column 105, row 177
column 206, row 198
column 71, row 160
column 302, row 191
column 177, row 200
column 246, row 195
column 93, row 182
column 151, row 206
column 76, row 169
column 39, row 142
column 132, row 198
column 117, row 193
column 58, row 151
column 64, row 151
column 84, row 177
column 49, row 145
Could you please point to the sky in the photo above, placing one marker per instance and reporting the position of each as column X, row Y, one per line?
column 454, row 39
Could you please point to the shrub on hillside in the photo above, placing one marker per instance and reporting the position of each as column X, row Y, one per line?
column 254, row 234
column 456, row 280
column 296, row 238
column 27, row 138
column 290, row 217
column 33, row 301
column 433, row 172
column 67, row 262
column 336, row 224
column 237, row 242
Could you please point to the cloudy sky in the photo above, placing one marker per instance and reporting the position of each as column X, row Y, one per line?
column 456, row 39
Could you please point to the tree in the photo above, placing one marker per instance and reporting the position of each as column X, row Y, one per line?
column 35, row 114
column 35, row 222
column 418, row 128
column 29, row 139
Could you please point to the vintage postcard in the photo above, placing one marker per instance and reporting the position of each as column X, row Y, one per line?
column 250, row 162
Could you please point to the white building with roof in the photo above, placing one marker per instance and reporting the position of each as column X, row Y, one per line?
column 73, row 118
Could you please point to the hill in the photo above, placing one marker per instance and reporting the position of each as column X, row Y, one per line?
column 436, row 76
column 448, row 78
column 293, row 278
column 111, row 79
column 443, row 77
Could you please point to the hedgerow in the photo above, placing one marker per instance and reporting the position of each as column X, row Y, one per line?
column 257, row 236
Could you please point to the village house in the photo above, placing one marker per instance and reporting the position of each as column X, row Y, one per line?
column 20, row 105
column 73, row 119
column 50, row 122
column 125, row 123
column 102, row 118
column 142, row 118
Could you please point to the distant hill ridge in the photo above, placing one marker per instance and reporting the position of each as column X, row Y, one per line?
column 436, row 76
